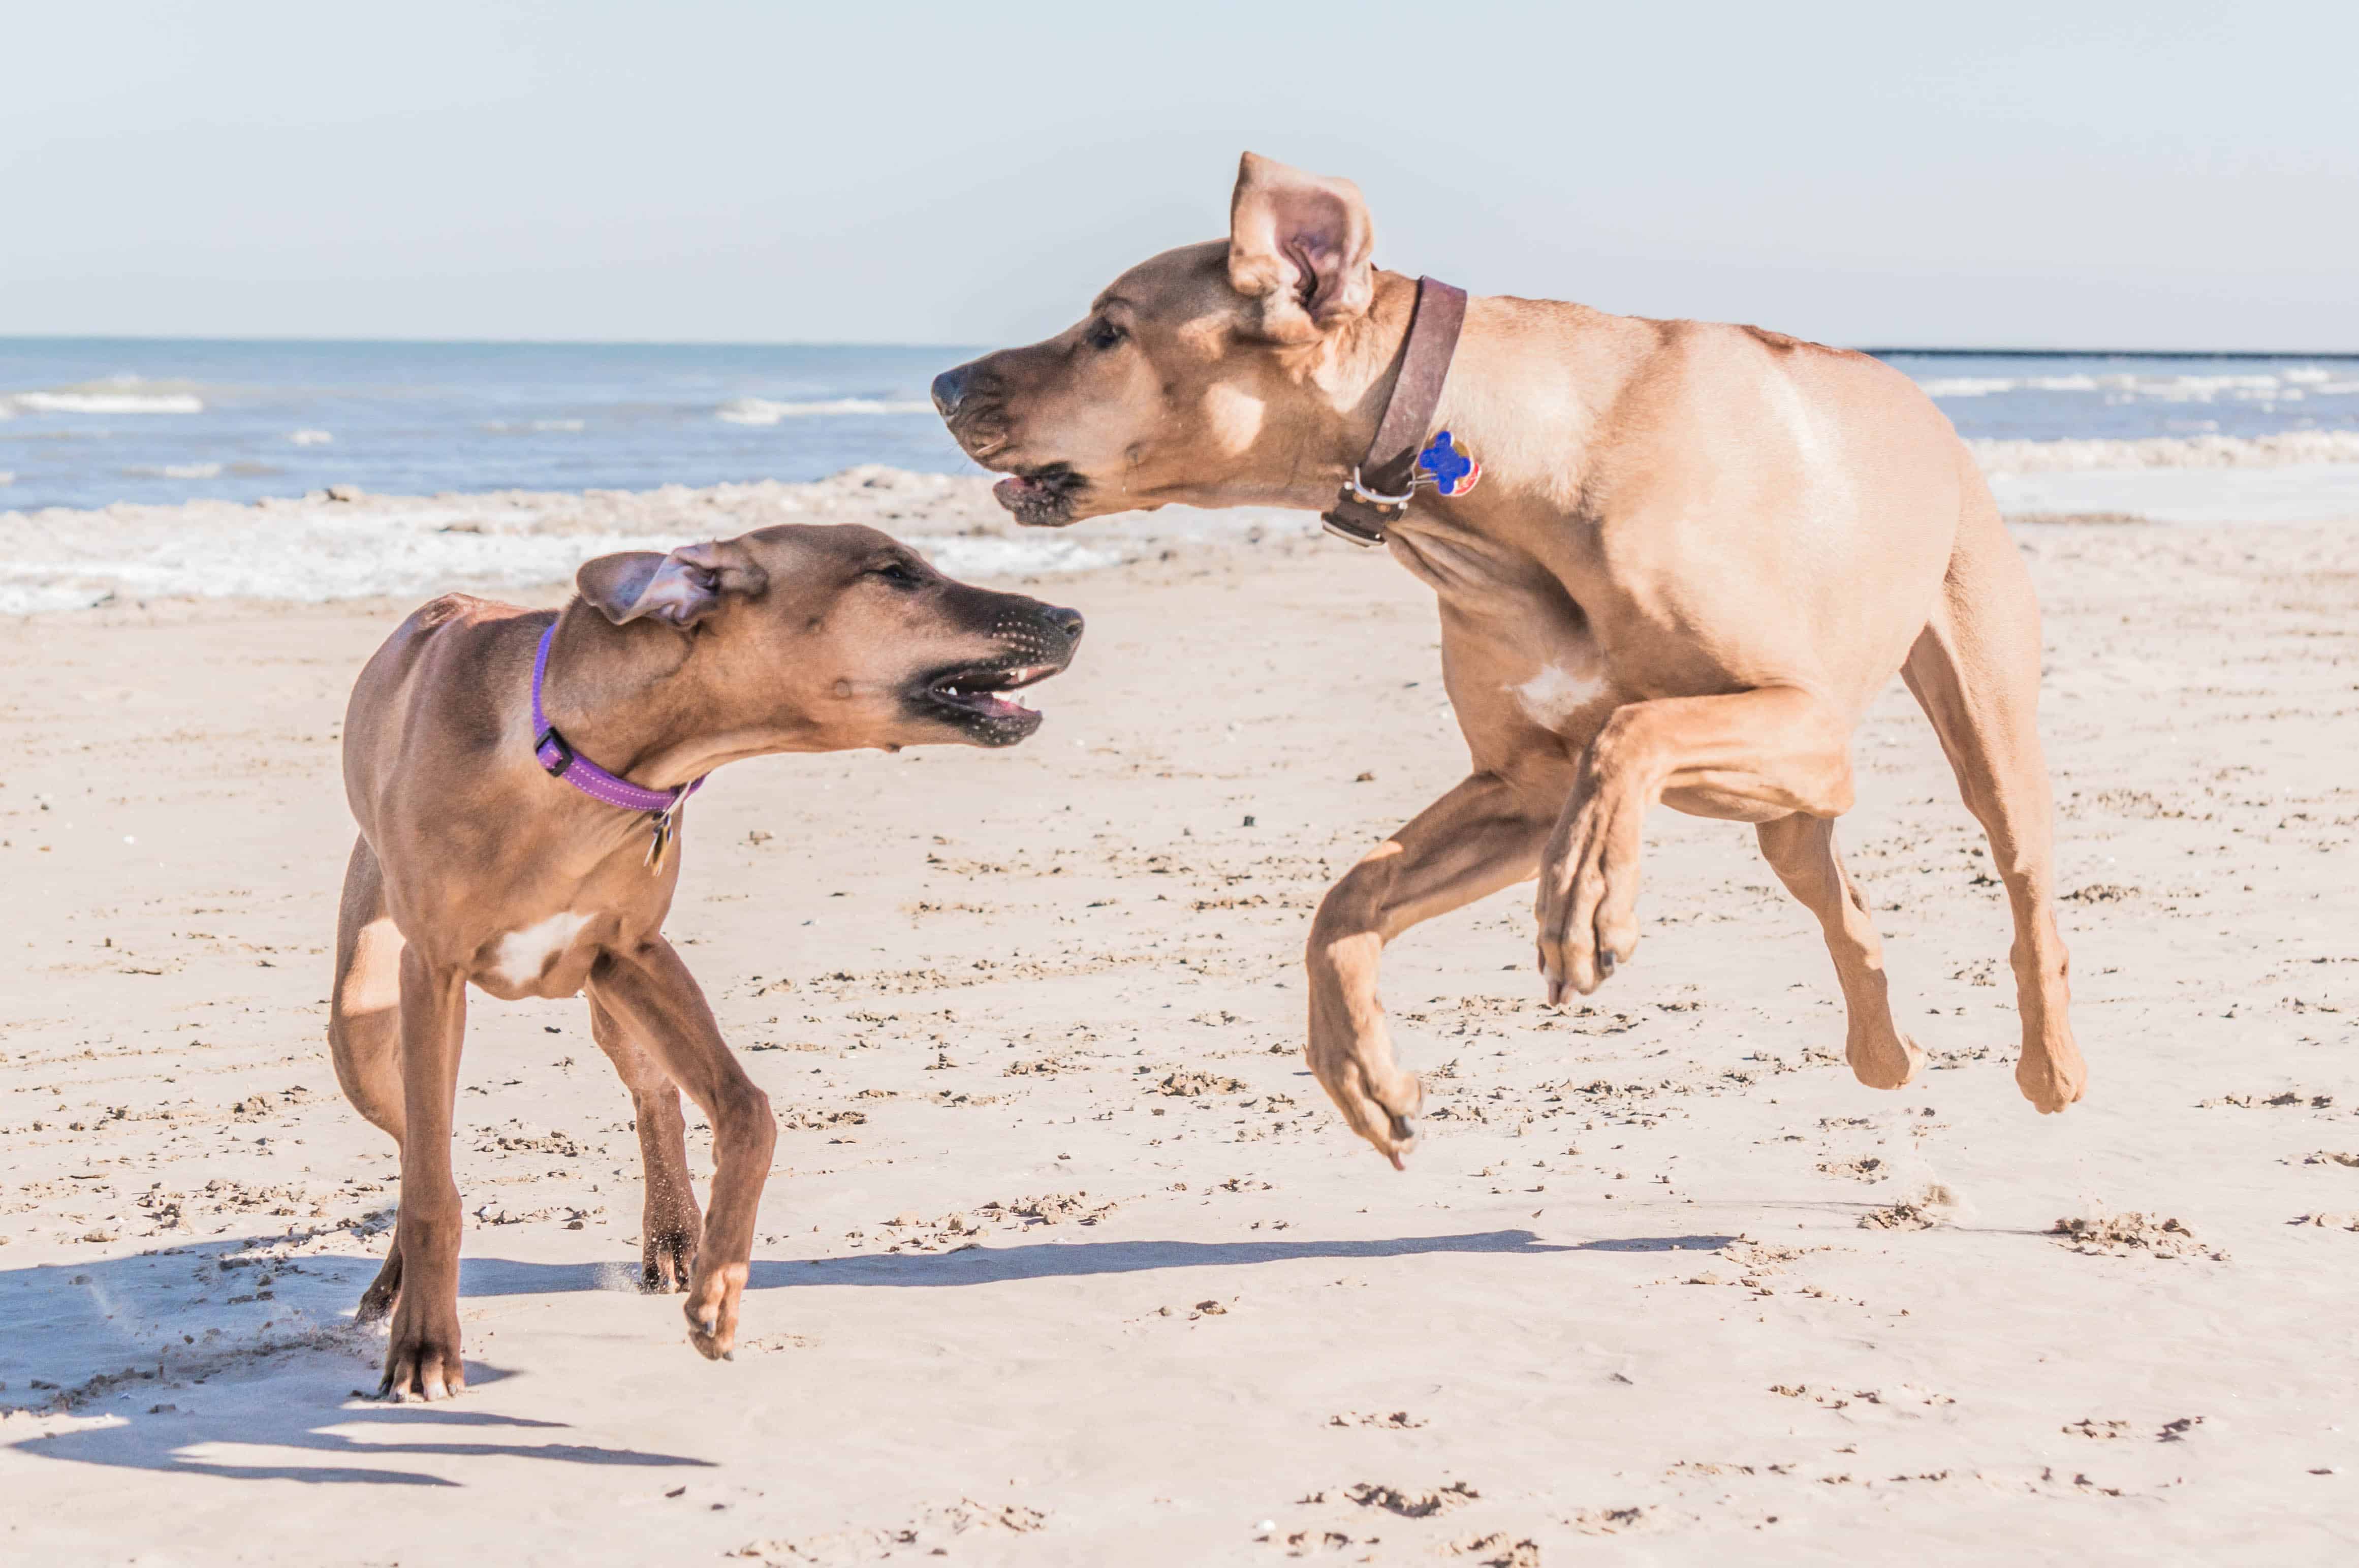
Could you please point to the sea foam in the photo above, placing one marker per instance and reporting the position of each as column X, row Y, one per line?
column 2287, row 449
column 317, row 550
column 763, row 412
column 2292, row 384
column 182, row 470
column 109, row 402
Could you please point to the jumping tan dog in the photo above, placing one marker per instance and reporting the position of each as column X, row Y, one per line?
column 475, row 865
column 1695, row 553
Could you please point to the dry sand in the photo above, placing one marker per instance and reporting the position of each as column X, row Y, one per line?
column 1066, row 1260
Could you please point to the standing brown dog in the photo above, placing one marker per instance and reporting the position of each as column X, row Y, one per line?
column 476, row 864
column 1694, row 554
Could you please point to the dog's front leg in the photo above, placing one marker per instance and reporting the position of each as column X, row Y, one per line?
column 1483, row 835
column 423, row 1355
column 651, row 993
column 1748, row 757
column 670, row 1225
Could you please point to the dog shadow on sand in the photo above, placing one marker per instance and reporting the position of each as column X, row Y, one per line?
column 281, row 1373
column 984, row 1264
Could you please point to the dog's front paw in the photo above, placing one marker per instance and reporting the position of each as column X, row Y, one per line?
column 421, row 1359
column 1587, row 903
column 1379, row 1101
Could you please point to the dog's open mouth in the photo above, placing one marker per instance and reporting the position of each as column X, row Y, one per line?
column 981, row 699
column 1042, row 496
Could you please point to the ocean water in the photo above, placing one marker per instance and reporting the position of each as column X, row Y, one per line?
column 84, row 422
column 2048, row 397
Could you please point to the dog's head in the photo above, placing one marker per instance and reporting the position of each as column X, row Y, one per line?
column 812, row 639
column 1216, row 375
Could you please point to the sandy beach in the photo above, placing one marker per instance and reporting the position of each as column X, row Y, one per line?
column 1065, row 1258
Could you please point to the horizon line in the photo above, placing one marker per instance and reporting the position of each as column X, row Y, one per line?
column 1957, row 350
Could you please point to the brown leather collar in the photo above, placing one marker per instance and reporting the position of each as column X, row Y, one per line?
column 1379, row 489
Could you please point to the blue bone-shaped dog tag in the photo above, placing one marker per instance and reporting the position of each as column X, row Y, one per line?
column 1452, row 471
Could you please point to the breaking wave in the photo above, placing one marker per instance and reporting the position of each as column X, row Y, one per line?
column 108, row 402
column 2283, row 449
column 2290, row 386
column 318, row 550
column 763, row 412
column 175, row 471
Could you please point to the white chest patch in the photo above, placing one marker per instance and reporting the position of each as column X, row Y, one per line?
column 523, row 954
column 1557, row 692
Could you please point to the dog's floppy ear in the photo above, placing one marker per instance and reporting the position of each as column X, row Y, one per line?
column 680, row 589
column 1300, row 244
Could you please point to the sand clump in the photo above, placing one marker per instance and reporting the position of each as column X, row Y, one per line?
column 1934, row 1204
column 2132, row 1235
column 1051, row 1208
column 1421, row 1504
column 1190, row 1083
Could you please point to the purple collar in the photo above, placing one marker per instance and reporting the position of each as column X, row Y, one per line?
column 559, row 760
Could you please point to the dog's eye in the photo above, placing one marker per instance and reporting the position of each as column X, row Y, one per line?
column 1104, row 335
column 898, row 573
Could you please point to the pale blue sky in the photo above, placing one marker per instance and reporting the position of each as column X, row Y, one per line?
column 2088, row 173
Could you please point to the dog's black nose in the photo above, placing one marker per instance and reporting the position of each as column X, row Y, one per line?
column 950, row 387
column 1066, row 621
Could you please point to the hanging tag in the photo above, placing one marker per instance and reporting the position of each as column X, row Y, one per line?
column 1451, row 469
column 661, row 835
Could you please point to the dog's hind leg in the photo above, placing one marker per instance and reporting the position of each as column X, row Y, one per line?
column 669, row 1225
column 1975, row 671
column 1801, row 850
column 364, row 1028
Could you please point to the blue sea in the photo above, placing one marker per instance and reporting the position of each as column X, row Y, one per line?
column 102, row 419
column 84, row 422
